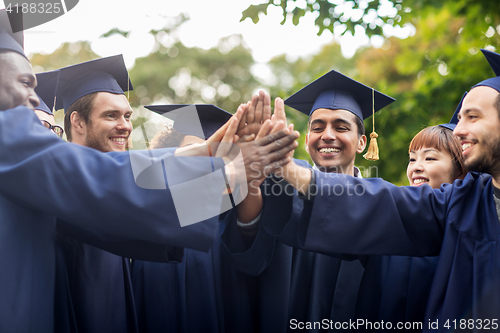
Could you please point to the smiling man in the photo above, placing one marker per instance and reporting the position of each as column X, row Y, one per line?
column 97, row 113
column 309, row 287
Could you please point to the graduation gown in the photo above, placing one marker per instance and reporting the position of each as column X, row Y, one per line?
column 393, row 288
column 458, row 222
column 296, row 286
column 43, row 177
column 203, row 293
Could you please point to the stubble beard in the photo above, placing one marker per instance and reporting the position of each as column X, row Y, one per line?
column 489, row 160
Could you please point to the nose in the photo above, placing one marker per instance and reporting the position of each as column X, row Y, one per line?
column 415, row 167
column 328, row 134
column 460, row 130
column 33, row 99
column 124, row 124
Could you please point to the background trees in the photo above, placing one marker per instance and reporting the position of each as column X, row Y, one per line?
column 427, row 72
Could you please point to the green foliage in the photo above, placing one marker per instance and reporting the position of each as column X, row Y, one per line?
column 67, row 54
column 182, row 75
column 368, row 14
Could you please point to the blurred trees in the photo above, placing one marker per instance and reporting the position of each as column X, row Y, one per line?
column 427, row 73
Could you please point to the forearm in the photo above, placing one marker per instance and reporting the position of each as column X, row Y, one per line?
column 297, row 176
column 251, row 206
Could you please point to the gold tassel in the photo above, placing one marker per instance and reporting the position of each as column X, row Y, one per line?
column 372, row 153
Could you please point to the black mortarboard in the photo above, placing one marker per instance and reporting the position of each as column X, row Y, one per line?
column 101, row 75
column 8, row 40
column 336, row 91
column 46, row 90
column 201, row 120
column 494, row 61
column 454, row 120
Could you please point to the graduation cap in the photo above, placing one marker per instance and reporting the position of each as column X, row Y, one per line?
column 454, row 119
column 200, row 120
column 101, row 75
column 336, row 91
column 10, row 41
column 46, row 90
column 494, row 61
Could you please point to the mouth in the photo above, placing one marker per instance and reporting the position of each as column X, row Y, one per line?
column 329, row 150
column 119, row 140
column 466, row 147
column 419, row 181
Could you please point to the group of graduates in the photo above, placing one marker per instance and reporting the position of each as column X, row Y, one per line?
column 90, row 244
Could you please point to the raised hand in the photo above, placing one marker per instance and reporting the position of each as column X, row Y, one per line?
column 259, row 110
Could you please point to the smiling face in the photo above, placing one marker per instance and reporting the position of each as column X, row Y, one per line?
column 435, row 158
column 479, row 130
column 109, row 124
column 17, row 82
column 430, row 166
column 333, row 140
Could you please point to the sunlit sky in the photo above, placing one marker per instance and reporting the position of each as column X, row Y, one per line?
column 210, row 20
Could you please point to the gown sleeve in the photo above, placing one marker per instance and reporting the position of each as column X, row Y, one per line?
column 99, row 192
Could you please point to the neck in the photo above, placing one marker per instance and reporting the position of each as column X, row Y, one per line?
column 496, row 181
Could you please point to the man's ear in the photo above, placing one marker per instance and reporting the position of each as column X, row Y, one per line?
column 77, row 123
column 361, row 144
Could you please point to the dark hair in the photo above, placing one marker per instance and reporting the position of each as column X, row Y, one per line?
column 359, row 124
column 440, row 138
column 83, row 106
column 166, row 138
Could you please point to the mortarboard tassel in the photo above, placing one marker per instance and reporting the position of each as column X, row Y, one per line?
column 372, row 153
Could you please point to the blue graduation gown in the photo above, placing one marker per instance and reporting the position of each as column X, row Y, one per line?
column 203, row 293
column 393, row 288
column 301, row 285
column 43, row 177
column 459, row 222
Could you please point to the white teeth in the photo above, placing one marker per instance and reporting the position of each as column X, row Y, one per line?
column 120, row 140
column 419, row 180
column 329, row 150
column 466, row 145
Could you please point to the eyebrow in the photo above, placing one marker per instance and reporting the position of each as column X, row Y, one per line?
column 343, row 121
column 465, row 112
column 317, row 121
column 115, row 111
column 426, row 150
column 340, row 120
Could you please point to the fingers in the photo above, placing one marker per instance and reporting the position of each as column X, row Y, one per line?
column 259, row 107
column 282, row 154
column 266, row 114
column 227, row 141
column 264, row 130
column 279, row 110
column 251, row 109
column 278, row 126
column 243, row 118
column 275, row 141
